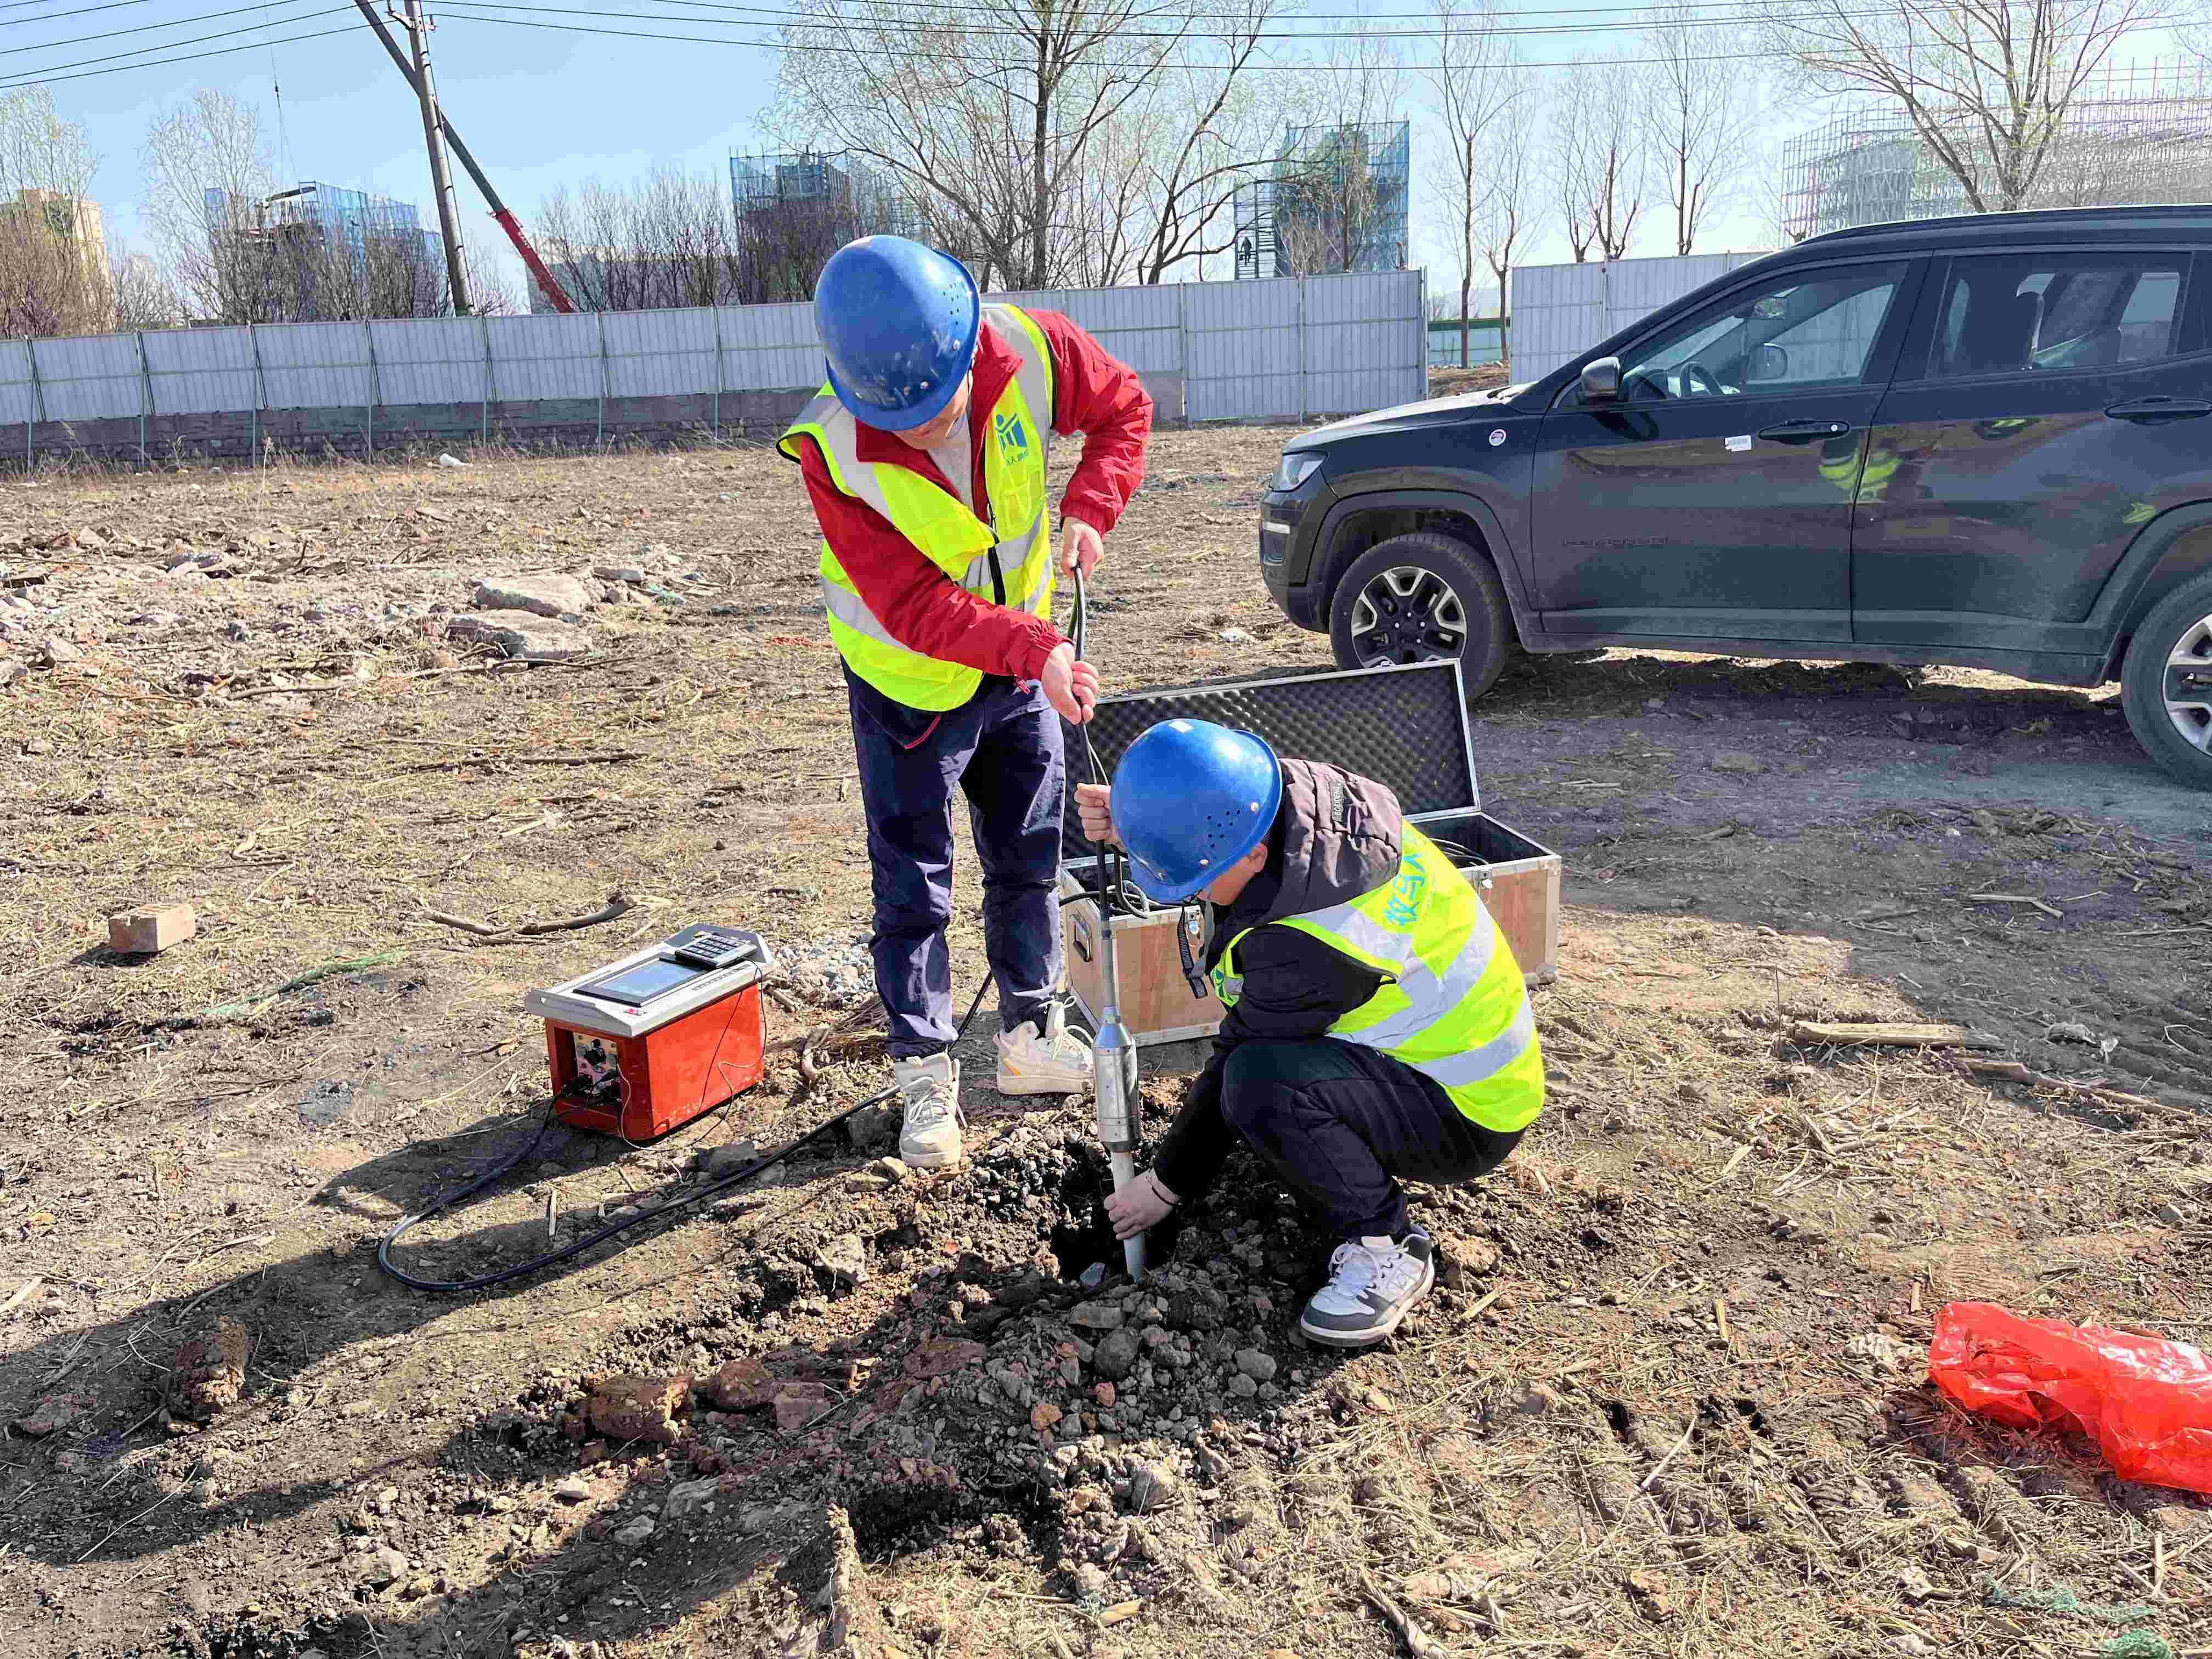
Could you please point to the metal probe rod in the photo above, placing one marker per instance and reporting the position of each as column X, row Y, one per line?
column 1113, row 1055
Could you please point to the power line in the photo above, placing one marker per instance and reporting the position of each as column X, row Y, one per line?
column 177, row 23
column 1742, row 10
column 44, row 79
column 471, row 15
column 41, row 74
column 772, row 17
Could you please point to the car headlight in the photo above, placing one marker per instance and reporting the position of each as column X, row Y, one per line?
column 1294, row 470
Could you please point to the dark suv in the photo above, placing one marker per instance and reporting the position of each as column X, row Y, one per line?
column 1977, row 441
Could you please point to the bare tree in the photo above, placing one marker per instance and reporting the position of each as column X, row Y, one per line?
column 676, row 239
column 53, row 273
column 1985, row 84
column 143, row 298
column 1044, row 141
column 1337, row 193
column 1205, row 132
column 207, row 168
column 1471, row 96
column 1512, row 218
column 1599, row 172
column 1698, row 124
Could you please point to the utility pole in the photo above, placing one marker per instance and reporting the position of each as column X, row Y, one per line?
column 507, row 222
column 448, row 220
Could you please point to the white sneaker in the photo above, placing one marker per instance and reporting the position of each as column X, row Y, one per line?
column 930, row 1138
column 1373, row 1285
column 1047, row 1062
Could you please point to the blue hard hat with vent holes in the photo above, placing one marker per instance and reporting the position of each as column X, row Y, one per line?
column 899, row 323
column 1189, row 798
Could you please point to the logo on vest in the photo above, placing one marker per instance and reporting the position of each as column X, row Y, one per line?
column 1013, row 436
column 1405, row 892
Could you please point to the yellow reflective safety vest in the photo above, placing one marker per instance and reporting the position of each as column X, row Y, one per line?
column 1452, row 1003
column 1007, row 561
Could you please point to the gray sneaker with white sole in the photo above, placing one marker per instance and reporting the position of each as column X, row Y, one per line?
column 1372, row 1284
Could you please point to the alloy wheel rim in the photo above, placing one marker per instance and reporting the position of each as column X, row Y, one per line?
column 1408, row 614
column 2188, row 685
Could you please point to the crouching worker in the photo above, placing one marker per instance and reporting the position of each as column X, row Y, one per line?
column 1376, row 1026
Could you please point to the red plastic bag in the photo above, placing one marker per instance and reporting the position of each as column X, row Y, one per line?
column 2145, row 1401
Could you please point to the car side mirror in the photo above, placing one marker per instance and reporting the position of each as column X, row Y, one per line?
column 1601, row 381
column 1769, row 363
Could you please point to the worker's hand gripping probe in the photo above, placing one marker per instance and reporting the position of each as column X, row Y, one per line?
column 1114, row 1056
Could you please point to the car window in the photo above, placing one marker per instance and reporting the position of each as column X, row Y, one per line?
column 2022, row 313
column 1813, row 329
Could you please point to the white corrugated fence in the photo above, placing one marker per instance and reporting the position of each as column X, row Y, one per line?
column 1559, row 312
column 1282, row 350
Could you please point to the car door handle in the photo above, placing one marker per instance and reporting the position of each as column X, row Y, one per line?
column 2154, row 411
column 1804, row 432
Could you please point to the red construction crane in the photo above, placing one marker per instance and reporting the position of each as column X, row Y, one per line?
column 507, row 222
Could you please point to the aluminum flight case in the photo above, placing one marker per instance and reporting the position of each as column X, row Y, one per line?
column 1405, row 727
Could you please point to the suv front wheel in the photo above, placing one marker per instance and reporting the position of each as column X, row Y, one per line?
column 2165, row 683
column 1418, row 597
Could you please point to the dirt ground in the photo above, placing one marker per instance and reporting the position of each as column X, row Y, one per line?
column 1669, row 1397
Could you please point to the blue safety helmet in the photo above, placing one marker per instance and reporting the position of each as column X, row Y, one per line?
column 899, row 323
column 1189, row 800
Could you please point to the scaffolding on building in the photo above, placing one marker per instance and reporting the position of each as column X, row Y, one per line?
column 2135, row 137
column 839, row 184
column 320, row 253
column 1338, row 198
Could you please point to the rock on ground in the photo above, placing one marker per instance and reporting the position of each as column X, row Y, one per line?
column 522, row 635
column 543, row 596
column 1116, row 1355
column 739, row 1385
column 638, row 1408
column 208, row 1373
column 846, row 1257
column 54, row 1414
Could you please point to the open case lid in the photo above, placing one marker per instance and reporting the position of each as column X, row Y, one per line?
column 1405, row 727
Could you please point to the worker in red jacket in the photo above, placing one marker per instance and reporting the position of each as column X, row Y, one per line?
column 925, row 458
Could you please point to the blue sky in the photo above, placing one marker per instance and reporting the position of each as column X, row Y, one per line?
column 545, row 107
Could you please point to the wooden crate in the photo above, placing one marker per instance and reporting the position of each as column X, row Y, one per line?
column 1519, row 881
column 1157, row 1005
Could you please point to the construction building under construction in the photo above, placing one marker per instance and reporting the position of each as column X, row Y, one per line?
column 794, row 210
column 320, row 253
column 2130, row 136
column 1336, row 199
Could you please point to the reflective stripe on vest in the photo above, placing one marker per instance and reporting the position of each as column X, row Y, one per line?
column 1452, row 1005
column 1008, row 561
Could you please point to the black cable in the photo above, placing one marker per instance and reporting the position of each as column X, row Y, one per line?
column 722, row 1184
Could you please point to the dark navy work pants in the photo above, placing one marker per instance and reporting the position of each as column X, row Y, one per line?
column 1338, row 1123
column 1002, row 750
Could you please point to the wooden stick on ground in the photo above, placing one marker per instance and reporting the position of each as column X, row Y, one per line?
column 2013, row 1072
column 1660, row 1467
column 1879, row 1033
column 2016, row 898
column 1418, row 1642
column 617, row 905
column 611, row 757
